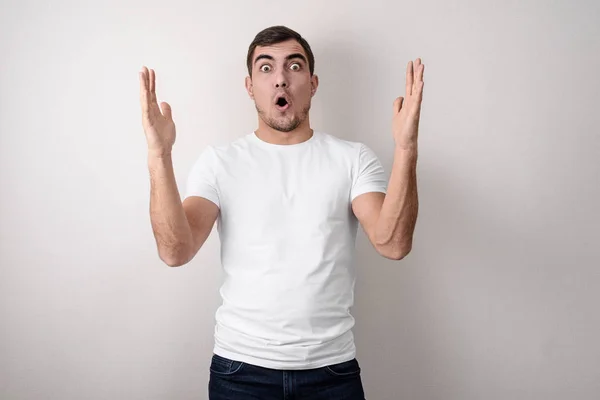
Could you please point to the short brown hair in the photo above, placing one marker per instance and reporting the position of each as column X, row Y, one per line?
column 278, row 34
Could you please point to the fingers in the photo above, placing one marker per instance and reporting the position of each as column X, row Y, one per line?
column 416, row 70
column 152, row 80
column 398, row 105
column 421, row 82
column 414, row 77
column 418, row 89
column 148, row 100
column 409, row 78
column 144, row 95
column 143, row 86
column 166, row 110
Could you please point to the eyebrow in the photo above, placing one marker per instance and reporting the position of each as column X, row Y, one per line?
column 289, row 57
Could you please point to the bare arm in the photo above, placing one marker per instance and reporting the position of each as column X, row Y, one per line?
column 179, row 229
column 389, row 220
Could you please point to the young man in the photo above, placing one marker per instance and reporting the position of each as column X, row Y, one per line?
column 288, row 201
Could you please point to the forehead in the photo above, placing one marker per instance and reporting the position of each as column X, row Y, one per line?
column 279, row 50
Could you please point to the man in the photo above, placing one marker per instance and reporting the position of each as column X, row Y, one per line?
column 288, row 201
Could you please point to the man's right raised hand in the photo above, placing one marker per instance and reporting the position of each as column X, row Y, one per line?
column 158, row 126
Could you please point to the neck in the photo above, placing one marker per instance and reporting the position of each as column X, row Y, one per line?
column 267, row 134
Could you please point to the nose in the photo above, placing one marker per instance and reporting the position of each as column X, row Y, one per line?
column 281, row 80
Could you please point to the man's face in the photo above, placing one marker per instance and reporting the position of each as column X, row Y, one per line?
column 281, row 85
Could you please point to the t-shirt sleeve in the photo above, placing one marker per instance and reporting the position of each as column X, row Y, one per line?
column 202, row 180
column 369, row 174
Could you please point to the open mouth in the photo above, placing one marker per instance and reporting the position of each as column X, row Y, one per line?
column 282, row 103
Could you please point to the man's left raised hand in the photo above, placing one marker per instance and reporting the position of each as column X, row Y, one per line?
column 407, row 110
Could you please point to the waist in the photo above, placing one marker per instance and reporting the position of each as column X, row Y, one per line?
column 284, row 350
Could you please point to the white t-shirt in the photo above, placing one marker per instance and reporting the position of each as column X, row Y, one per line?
column 287, row 234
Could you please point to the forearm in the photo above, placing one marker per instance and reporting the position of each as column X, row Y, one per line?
column 398, row 216
column 169, row 222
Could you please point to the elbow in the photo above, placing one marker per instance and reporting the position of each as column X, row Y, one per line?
column 173, row 262
column 392, row 247
column 396, row 255
column 174, row 257
column 399, row 255
column 394, row 252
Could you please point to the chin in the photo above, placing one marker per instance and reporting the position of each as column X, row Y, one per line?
column 283, row 123
column 285, row 128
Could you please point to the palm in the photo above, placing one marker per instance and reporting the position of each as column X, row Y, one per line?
column 407, row 111
column 159, row 126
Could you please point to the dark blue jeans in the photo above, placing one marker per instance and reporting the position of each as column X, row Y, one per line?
column 235, row 380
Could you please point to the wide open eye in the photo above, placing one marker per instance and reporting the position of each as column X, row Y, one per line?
column 265, row 68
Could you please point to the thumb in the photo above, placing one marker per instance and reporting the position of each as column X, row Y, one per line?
column 166, row 110
column 398, row 105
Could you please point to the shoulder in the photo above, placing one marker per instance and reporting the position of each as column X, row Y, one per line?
column 338, row 143
column 220, row 152
column 353, row 149
column 340, row 147
column 238, row 144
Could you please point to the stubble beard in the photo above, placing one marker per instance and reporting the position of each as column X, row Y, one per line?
column 284, row 125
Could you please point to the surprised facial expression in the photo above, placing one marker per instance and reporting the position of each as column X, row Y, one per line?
column 281, row 85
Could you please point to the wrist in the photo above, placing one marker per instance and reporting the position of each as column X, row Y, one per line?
column 159, row 154
column 405, row 142
column 406, row 147
column 406, row 153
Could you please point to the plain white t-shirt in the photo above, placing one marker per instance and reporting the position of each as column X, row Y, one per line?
column 287, row 234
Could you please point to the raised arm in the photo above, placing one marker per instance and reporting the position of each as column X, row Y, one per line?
column 389, row 220
column 180, row 229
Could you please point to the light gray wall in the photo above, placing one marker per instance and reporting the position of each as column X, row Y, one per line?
column 499, row 297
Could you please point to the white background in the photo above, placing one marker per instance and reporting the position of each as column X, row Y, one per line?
column 499, row 297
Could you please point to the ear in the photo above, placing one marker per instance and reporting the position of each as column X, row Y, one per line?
column 249, row 87
column 314, row 83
